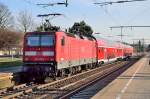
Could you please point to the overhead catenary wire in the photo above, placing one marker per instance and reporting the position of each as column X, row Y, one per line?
column 53, row 4
column 48, row 9
column 140, row 13
column 34, row 4
column 114, row 20
column 113, row 2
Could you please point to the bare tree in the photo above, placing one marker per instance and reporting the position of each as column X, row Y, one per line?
column 6, row 19
column 10, row 39
column 25, row 21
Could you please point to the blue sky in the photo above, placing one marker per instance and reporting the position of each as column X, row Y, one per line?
column 100, row 18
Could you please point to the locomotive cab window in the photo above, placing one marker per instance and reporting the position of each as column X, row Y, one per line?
column 40, row 40
column 47, row 40
column 33, row 40
column 63, row 41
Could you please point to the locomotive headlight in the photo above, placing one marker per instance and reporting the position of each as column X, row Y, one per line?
column 48, row 53
column 30, row 53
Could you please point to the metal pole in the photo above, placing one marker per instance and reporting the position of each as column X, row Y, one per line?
column 143, row 45
column 121, row 35
column 12, row 57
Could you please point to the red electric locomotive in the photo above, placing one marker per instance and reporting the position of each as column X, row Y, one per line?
column 52, row 54
column 57, row 53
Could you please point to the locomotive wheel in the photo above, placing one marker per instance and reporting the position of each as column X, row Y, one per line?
column 39, row 79
column 72, row 71
column 26, row 77
column 63, row 73
column 59, row 73
column 23, row 77
column 54, row 76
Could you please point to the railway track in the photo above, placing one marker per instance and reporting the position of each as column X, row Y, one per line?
column 91, row 88
column 60, row 87
column 16, row 91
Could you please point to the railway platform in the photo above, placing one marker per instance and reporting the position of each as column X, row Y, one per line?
column 6, row 75
column 134, row 83
column 5, row 80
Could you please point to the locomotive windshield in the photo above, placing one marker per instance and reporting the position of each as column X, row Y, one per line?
column 40, row 40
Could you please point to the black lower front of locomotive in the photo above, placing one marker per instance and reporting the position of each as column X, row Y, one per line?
column 38, row 72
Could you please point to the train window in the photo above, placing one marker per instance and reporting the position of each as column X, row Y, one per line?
column 63, row 41
column 99, row 50
column 47, row 40
column 103, row 50
column 40, row 40
column 33, row 41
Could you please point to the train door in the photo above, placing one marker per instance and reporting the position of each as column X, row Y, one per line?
column 105, row 53
column 62, row 47
column 102, row 53
column 69, row 51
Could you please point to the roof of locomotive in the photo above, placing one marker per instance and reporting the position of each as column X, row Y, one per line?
column 38, row 33
column 66, row 33
column 85, row 37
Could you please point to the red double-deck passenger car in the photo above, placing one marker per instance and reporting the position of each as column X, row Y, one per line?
column 110, row 51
